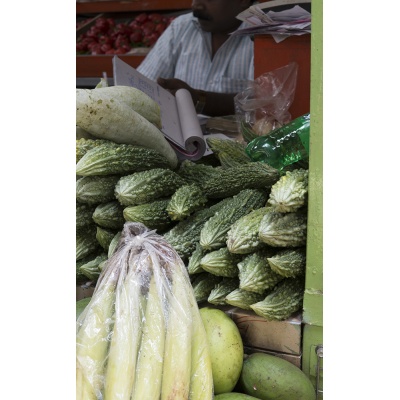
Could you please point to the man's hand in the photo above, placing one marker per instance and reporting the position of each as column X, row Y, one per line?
column 215, row 104
column 172, row 85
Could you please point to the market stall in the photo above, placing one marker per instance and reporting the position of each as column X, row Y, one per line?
column 202, row 210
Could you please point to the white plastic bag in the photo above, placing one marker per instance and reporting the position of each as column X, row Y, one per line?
column 141, row 336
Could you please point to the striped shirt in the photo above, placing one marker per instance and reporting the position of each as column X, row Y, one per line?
column 183, row 51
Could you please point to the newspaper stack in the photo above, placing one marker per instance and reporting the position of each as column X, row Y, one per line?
column 262, row 19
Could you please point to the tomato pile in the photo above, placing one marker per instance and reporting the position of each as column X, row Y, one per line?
column 107, row 36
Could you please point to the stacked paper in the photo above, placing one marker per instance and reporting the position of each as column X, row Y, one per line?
column 280, row 24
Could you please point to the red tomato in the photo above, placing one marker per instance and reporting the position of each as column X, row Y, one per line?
column 105, row 47
column 136, row 36
column 104, row 39
column 122, row 28
column 93, row 32
column 155, row 17
column 88, row 40
column 81, row 47
column 120, row 41
column 96, row 49
column 149, row 40
column 141, row 18
column 102, row 24
column 160, row 28
column 148, row 27
column 111, row 22
column 93, row 44
column 134, row 25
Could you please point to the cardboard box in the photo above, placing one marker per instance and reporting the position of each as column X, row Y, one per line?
column 292, row 358
column 278, row 336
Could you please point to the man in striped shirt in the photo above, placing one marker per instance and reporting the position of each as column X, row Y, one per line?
column 196, row 52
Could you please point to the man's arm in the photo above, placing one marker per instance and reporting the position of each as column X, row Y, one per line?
column 215, row 104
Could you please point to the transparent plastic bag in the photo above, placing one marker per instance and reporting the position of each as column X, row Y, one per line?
column 264, row 105
column 141, row 336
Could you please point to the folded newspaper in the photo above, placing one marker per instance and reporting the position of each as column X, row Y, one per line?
column 279, row 18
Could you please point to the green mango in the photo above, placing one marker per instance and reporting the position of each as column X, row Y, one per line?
column 234, row 396
column 226, row 348
column 273, row 378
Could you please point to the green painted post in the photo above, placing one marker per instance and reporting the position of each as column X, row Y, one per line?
column 313, row 295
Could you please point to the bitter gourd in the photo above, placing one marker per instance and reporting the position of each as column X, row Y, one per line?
column 113, row 244
column 81, row 278
column 86, row 243
column 255, row 273
column 215, row 230
column 247, row 131
column 221, row 262
column 96, row 189
column 122, row 159
column 203, row 284
column 154, row 215
column 284, row 229
column 242, row 237
column 184, row 236
column 290, row 192
column 230, row 181
column 185, row 201
column 193, row 265
column 109, row 215
column 84, row 214
column 147, row 186
column 243, row 298
column 196, row 173
column 289, row 262
column 104, row 237
column 221, row 290
column 91, row 269
column 83, row 145
column 285, row 299
column 229, row 152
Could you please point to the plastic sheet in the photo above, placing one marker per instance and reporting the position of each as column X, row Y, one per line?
column 141, row 336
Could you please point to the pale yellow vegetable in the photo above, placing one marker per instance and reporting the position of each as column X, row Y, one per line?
column 107, row 117
column 177, row 356
column 150, row 360
column 201, row 380
column 93, row 328
column 135, row 99
column 125, row 339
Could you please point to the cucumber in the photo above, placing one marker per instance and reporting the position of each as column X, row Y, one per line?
column 272, row 378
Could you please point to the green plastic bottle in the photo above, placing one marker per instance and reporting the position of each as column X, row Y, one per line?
column 283, row 146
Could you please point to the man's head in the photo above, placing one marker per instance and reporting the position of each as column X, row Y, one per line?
column 219, row 16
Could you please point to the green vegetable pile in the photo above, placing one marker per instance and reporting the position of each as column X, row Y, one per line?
column 239, row 226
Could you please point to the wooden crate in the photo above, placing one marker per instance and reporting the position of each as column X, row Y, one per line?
column 276, row 336
column 95, row 65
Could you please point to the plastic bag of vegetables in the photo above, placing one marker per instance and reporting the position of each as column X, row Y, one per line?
column 141, row 336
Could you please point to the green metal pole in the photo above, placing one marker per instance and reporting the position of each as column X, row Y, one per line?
column 313, row 295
